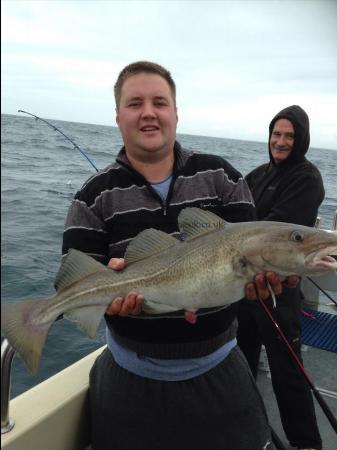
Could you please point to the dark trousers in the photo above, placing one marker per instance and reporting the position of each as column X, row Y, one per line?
column 292, row 392
column 220, row 410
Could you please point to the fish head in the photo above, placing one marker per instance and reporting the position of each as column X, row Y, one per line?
column 290, row 249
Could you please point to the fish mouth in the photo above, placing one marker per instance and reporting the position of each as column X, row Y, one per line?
column 323, row 259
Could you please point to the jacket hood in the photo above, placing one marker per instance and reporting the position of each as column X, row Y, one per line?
column 300, row 121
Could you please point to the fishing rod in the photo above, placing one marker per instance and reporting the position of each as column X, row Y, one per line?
column 322, row 290
column 327, row 411
column 63, row 134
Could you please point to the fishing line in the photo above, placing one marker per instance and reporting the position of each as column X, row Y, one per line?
column 63, row 134
column 322, row 290
column 327, row 411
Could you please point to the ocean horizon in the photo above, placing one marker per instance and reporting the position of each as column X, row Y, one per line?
column 41, row 173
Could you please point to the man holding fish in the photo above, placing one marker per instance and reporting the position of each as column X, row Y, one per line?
column 172, row 375
column 169, row 382
column 152, row 387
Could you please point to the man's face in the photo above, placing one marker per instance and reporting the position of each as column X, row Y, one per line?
column 282, row 140
column 147, row 116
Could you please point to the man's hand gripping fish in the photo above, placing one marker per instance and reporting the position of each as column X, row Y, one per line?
column 209, row 268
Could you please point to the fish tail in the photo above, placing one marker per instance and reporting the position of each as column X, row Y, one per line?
column 25, row 336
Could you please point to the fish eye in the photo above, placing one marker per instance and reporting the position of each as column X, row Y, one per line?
column 297, row 236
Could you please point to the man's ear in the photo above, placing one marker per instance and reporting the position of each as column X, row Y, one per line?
column 117, row 117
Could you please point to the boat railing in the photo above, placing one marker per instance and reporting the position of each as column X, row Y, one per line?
column 7, row 354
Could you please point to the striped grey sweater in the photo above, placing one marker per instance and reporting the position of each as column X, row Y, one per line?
column 117, row 203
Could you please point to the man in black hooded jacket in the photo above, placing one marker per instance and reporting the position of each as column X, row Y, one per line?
column 287, row 189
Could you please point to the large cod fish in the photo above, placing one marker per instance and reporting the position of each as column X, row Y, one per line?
column 209, row 268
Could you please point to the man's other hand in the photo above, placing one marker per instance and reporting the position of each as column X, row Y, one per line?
column 259, row 288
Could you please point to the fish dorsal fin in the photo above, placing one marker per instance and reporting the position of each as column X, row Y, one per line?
column 148, row 243
column 194, row 222
column 74, row 267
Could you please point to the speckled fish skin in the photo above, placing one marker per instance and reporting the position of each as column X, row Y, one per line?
column 209, row 268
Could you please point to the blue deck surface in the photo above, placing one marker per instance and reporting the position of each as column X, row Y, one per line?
column 319, row 330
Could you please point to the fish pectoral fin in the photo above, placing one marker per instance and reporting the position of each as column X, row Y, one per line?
column 194, row 222
column 150, row 307
column 148, row 243
column 75, row 267
column 87, row 318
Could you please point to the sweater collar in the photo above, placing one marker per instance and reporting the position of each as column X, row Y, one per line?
column 181, row 157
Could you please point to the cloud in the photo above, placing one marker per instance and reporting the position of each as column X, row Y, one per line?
column 235, row 63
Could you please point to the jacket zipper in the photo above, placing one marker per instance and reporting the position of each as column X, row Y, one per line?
column 163, row 204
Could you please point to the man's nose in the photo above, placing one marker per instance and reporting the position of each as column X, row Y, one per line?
column 148, row 110
column 281, row 140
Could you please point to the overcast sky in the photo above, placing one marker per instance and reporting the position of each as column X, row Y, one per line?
column 235, row 63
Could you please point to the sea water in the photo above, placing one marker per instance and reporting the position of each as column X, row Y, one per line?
column 41, row 172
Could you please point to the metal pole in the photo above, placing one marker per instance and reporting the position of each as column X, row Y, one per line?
column 334, row 223
column 7, row 353
column 318, row 222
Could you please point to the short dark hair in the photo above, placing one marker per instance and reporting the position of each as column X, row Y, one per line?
column 143, row 67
